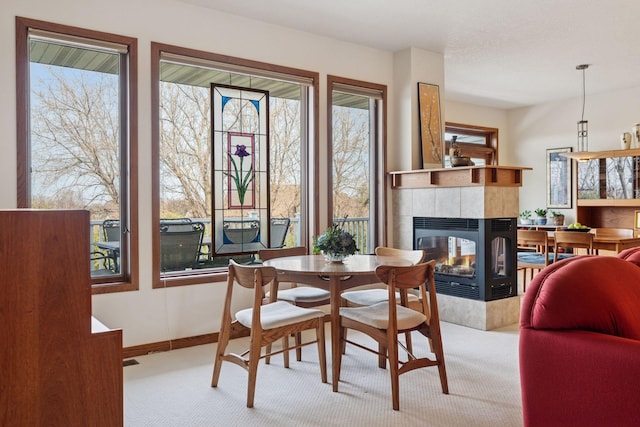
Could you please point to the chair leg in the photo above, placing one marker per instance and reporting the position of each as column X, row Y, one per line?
column 392, row 351
column 298, row 339
column 254, row 358
column 343, row 346
column 382, row 356
column 285, row 355
column 439, row 352
column 267, row 359
column 322, row 353
column 222, row 346
column 343, row 340
column 407, row 337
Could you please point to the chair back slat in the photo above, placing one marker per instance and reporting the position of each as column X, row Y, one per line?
column 414, row 256
column 537, row 238
column 405, row 277
column 267, row 254
column 574, row 239
column 612, row 232
column 246, row 275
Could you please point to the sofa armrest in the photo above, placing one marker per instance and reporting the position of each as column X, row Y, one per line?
column 574, row 377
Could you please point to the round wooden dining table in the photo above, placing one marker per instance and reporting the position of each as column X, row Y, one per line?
column 336, row 277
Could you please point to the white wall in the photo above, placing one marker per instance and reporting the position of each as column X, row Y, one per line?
column 533, row 130
column 148, row 315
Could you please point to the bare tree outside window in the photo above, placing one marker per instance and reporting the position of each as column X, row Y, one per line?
column 350, row 162
column 185, row 152
column 75, row 141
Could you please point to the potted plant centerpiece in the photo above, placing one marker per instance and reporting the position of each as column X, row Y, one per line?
column 525, row 217
column 558, row 218
column 335, row 244
column 541, row 218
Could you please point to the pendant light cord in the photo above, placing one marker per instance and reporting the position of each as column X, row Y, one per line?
column 583, row 67
column 584, row 92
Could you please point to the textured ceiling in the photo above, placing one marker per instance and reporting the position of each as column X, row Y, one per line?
column 500, row 53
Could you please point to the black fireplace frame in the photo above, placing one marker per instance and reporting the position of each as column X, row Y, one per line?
column 483, row 285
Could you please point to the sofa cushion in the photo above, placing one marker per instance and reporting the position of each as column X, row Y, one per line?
column 631, row 255
column 591, row 293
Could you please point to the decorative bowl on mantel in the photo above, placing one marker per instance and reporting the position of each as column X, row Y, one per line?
column 460, row 161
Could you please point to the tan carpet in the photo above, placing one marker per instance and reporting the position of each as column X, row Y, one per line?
column 173, row 388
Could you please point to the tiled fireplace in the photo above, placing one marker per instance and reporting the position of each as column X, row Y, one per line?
column 472, row 194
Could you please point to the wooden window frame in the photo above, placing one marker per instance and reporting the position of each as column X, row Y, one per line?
column 129, row 279
column 489, row 151
column 377, row 180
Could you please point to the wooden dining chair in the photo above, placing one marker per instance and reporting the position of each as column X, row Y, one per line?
column 378, row 293
column 572, row 240
column 267, row 323
column 533, row 253
column 384, row 321
column 301, row 296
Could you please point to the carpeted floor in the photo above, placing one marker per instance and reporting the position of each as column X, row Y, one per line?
column 173, row 388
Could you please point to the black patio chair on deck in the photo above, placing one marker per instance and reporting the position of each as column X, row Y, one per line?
column 180, row 245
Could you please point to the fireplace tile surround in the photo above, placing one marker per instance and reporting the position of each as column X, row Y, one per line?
column 464, row 201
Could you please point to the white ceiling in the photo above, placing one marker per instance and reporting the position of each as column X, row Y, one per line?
column 500, row 53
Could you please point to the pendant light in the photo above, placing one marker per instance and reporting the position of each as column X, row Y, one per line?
column 583, row 125
column 582, row 153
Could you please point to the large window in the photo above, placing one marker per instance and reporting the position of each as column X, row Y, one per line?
column 76, row 137
column 183, row 159
column 356, row 126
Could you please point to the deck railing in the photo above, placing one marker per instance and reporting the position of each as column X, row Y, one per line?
column 358, row 227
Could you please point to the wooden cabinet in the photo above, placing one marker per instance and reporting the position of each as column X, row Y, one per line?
column 56, row 370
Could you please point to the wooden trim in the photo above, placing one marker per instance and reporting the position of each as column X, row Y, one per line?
column 586, row 155
column 130, row 277
column 22, row 113
column 190, row 278
column 141, row 350
column 609, row 202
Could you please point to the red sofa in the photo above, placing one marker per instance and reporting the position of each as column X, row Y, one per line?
column 580, row 344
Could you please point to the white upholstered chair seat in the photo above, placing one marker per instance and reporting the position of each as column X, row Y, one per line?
column 371, row 296
column 377, row 315
column 302, row 294
column 278, row 314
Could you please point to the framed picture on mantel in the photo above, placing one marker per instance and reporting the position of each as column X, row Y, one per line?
column 431, row 141
column 558, row 178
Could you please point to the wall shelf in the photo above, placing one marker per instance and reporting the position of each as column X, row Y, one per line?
column 466, row 176
column 588, row 155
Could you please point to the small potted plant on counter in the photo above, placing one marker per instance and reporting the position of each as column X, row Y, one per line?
column 525, row 217
column 558, row 218
column 541, row 218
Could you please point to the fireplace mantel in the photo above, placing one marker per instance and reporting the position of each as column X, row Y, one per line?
column 466, row 176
